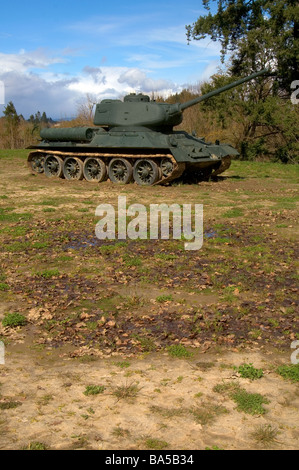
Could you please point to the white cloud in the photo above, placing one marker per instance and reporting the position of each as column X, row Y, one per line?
column 31, row 93
column 98, row 80
column 32, row 85
column 113, row 82
column 140, row 81
column 25, row 61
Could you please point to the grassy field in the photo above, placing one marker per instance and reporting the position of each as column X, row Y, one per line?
column 146, row 322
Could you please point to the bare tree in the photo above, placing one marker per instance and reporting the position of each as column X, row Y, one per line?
column 85, row 111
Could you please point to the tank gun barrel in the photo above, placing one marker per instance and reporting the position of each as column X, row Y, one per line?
column 188, row 104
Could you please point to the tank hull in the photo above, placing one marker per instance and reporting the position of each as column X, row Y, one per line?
column 183, row 154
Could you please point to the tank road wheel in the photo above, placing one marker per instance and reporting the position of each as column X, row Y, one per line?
column 166, row 167
column 120, row 171
column 94, row 170
column 53, row 166
column 73, row 168
column 36, row 163
column 146, row 172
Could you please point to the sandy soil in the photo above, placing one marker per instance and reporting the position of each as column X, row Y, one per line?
column 154, row 401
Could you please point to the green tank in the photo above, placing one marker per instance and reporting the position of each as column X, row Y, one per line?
column 133, row 139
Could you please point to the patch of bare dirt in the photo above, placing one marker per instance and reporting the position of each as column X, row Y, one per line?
column 165, row 400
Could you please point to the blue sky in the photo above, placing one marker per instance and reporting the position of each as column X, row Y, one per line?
column 52, row 54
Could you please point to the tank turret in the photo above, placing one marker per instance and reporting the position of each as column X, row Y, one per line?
column 138, row 110
column 133, row 139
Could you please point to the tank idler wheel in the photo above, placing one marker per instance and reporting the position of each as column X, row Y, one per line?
column 166, row 167
column 94, row 170
column 36, row 163
column 146, row 172
column 53, row 166
column 120, row 171
column 73, row 168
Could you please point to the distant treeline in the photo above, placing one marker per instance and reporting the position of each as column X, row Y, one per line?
column 40, row 119
column 17, row 132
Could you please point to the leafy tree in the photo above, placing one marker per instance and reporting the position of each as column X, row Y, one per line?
column 256, row 34
column 252, row 118
column 12, row 121
column 10, row 113
column 44, row 118
column 259, row 33
column 37, row 117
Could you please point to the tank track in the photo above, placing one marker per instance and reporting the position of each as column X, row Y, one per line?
column 36, row 164
column 225, row 164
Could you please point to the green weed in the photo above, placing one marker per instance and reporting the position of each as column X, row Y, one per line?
column 120, row 432
column 265, row 435
column 126, row 391
column 65, row 258
column 13, row 320
column 166, row 257
column 17, row 247
column 48, row 273
column 132, row 261
column 8, row 405
column 40, row 245
column 45, row 400
column 156, row 444
column 247, row 371
column 235, row 212
column 36, row 446
column 13, row 217
column 290, row 372
column 4, row 286
column 213, row 448
column 146, row 344
column 50, row 202
column 206, row 413
column 94, row 389
column 122, row 364
column 178, row 350
column 164, row 298
column 251, row 403
column 168, row 412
